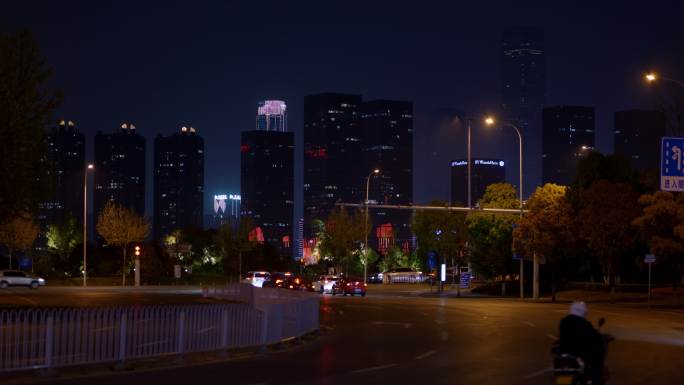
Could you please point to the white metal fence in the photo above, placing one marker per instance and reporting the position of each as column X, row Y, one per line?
column 46, row 338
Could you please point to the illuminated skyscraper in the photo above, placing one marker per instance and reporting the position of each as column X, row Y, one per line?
column 272, row 116
column 267, row 179
column 387, row 145
column 178, row 182
column 568, row 135
column 483, row 173
column 120, row 169
column 523, row 87
column 65, row 165
column 332, row 155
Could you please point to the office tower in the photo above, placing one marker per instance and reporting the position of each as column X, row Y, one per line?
column 226, row 211
column 65, row 164
column 267, row 184
column 568, row 134
column 272, row 116
column 120, row 169
column 483, row 173
column 387, row 145
column 332, row 155
column 637, row 136
column 523, row 87
column 178, row 182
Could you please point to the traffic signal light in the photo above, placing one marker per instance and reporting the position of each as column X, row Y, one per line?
column 137, row 251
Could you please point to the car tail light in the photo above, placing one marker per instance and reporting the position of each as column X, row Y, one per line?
column 297, row 280
column 356, row 283
column 349, row 284
column 326, row 281
column 365, row 284
column 279, row 280
column 291, row 287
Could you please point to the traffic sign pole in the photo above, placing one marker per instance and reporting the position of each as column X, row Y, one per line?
column 649, row 284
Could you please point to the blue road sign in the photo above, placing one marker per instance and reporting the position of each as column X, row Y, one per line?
column 465, row 280
column 649, row 258
column 516, row 257
column 672, row 164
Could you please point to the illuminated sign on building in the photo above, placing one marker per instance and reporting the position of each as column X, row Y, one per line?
column 483, row 162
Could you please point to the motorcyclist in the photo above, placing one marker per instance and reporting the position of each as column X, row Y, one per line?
column 579, row 338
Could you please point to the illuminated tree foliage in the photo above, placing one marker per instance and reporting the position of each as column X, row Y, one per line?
column 342, row 234
column 62, row 238
column 121, row 226
column 18, row 234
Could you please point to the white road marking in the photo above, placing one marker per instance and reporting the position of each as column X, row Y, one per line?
column 32, row 302
column 373, row 368
column 528, row 323
column 406, row 325
column 426, row 354
column 445, row 336
column 538, row 373
column 552, row 336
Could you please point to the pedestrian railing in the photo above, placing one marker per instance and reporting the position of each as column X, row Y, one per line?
column 55, row 337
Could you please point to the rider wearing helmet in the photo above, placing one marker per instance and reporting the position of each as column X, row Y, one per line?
column 579, row 338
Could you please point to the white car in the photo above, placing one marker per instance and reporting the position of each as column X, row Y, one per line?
column 19, row 278
column 255, row 278
column 324, row 283
column 402, row 275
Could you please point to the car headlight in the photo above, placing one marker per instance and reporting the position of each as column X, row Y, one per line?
column 41, row 280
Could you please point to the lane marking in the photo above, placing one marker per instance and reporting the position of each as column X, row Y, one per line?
column 406, row 325
column 552, row 336
column 366, row 370
column 538, row 373
column 528, row 323
column 32, row 302
column 426, row 354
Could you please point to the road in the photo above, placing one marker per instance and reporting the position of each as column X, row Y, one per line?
column 398, row 338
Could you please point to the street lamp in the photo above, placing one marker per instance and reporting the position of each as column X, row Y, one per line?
column 468, row 125
column 89, row 167
column 653, row 77
column 490, row 121
column 365, row 230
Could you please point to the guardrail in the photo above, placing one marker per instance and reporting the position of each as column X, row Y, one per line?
column 47, row 338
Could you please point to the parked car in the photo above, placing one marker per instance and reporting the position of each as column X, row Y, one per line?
column 374, row 278
column 324, row 283
column 350, row 286
column 19, row 278
column 255, row 278
column 403, row 275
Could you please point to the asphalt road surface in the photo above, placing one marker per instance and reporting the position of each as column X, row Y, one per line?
column 399, row 338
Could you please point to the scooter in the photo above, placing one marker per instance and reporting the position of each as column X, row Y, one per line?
column 572, row 370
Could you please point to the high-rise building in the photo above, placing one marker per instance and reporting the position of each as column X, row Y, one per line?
column 483, row 173
column 332, row 155
column 272, row 116
column 387, row 145
column 267, row 184
column 120, row 169
column 65, row 165
column 637, row 136
column 178, row 181
column 226, row 211
column 523, row 85
column 568, row 134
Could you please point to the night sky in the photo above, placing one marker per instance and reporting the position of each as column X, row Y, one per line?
column 207, row 63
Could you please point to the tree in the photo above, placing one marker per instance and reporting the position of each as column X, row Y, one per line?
column 233, row 244
column 18, row 234
column 62, row 238
column 661, row 224
column 490, row 234
column 176, row 245
column 342, row 232
column 442, row 232
column 25, row 110
column 603, row 222
column 544, row 232
column 121, row 226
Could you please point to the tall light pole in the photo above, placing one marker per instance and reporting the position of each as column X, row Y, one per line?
column 491, row 121
column 365, row 230
column 470, row 166
column 85, row 221
column 652, row 77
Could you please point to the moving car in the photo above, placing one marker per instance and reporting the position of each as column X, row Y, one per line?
column 19, row 278
column 350, row 286
column 324, row 283
column 255, row 278
column 275, row 279
column 296, row 283
column 403, row 275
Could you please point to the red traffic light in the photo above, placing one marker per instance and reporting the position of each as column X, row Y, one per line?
column 137, row 251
